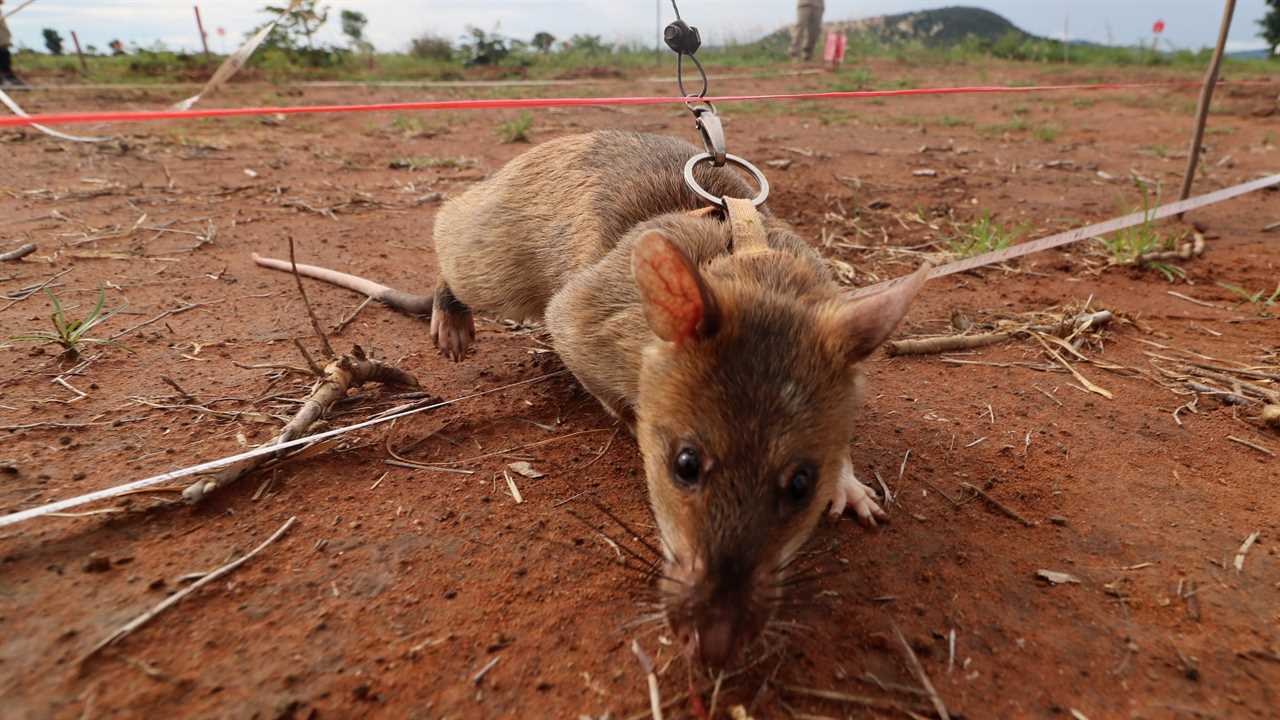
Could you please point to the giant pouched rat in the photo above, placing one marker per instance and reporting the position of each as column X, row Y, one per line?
column 736, row 368
column 730, row 352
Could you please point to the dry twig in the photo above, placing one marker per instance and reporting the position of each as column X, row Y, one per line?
column 1008, row 511
column 918, row 669
column 178, row 596
column 1253, row 445
column 19, row 252
column 952, row 343
column 315, row 323
column 342, row 374
column 655, row 696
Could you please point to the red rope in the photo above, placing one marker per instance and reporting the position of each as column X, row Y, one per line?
column 153, row 115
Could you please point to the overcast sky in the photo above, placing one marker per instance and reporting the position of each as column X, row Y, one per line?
column 1190, row 23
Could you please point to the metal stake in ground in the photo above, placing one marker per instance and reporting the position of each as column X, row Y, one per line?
column 1206, row 98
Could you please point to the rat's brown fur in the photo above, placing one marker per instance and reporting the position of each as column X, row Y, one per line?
column 761, row 379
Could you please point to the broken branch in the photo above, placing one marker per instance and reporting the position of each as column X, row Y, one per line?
column 340, row 375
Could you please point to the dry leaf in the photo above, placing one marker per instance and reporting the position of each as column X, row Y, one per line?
column 1057, row 578
column 525, row 469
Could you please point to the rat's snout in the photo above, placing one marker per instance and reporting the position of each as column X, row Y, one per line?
column 729, row 616
column 719, row 640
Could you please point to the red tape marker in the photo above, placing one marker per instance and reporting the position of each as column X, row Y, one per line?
column 509, row 103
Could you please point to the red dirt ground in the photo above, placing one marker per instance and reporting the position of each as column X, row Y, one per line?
column 388, row 597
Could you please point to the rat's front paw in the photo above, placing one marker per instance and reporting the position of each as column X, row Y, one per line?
column 452, row 332
column 851, row 493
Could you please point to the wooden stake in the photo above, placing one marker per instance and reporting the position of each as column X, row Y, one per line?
column 84, row 66
column 1206, row 98
column 204, row 39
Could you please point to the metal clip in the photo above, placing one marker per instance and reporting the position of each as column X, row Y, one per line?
column 708, row 124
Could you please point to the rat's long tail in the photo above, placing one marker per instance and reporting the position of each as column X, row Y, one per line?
column 396, row 299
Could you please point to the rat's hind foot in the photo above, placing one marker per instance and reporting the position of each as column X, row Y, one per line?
column 851, row 493
column 453, row 329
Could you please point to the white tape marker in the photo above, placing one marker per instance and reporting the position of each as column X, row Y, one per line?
column 1084, row 233
column 14, row 518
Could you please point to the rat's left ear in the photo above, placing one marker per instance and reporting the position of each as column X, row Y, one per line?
column 863, row 325
column 678, row 305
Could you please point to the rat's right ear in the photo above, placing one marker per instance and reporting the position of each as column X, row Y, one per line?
column 677, row 302
column 863, row 325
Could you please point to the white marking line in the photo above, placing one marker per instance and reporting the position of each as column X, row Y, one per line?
column 14, row 518
column 1084, row 233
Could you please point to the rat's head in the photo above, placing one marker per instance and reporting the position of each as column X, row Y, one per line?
column 744, row 415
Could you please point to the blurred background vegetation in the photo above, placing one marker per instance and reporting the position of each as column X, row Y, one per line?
column 289, row 53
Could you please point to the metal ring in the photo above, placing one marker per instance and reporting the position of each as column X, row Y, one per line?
column 761, row 180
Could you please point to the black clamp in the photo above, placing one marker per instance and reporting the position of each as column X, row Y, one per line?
column 682, row 38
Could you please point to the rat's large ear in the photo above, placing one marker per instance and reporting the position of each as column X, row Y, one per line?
column 863, row 325
column 677, row 302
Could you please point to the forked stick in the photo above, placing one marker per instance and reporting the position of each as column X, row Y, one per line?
column 340, row 375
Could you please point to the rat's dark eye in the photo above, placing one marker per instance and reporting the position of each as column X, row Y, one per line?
column 801, row 483
column 687, row 467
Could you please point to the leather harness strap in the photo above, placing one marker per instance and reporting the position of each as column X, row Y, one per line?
column 747, row 227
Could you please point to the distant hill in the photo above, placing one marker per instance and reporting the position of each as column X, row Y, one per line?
column 1259, row 54
column 944, row 26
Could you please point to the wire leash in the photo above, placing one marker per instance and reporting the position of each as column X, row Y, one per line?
column 684, row 40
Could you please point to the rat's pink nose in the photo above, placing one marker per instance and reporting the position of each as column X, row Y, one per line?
column 717, row 642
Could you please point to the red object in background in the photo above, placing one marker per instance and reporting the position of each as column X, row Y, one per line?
column 833, row 52
column 222, row 31
column 1158, row 27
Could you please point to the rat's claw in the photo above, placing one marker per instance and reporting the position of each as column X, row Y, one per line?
column 452, row 332
column 851, row 493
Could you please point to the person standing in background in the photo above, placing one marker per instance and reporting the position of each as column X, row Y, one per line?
column 7, row 78
column 808, row 28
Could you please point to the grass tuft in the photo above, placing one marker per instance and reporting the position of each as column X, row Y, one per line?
column 1128, row 246
column 983, row 235
column 1254, row 298
column 516, row 131
column 71, row 334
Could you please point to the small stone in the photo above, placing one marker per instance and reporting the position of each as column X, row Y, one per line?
column 1057, row 578
column 97, row 563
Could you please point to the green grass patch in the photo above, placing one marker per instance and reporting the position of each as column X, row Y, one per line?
column 1048, row 133
column 517, row 130
column 69, row 333
column 429, row 163
column 1128, row 246
column 1015, row 125
column 1254, row 298
column 851, row 81
column 983, row 235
